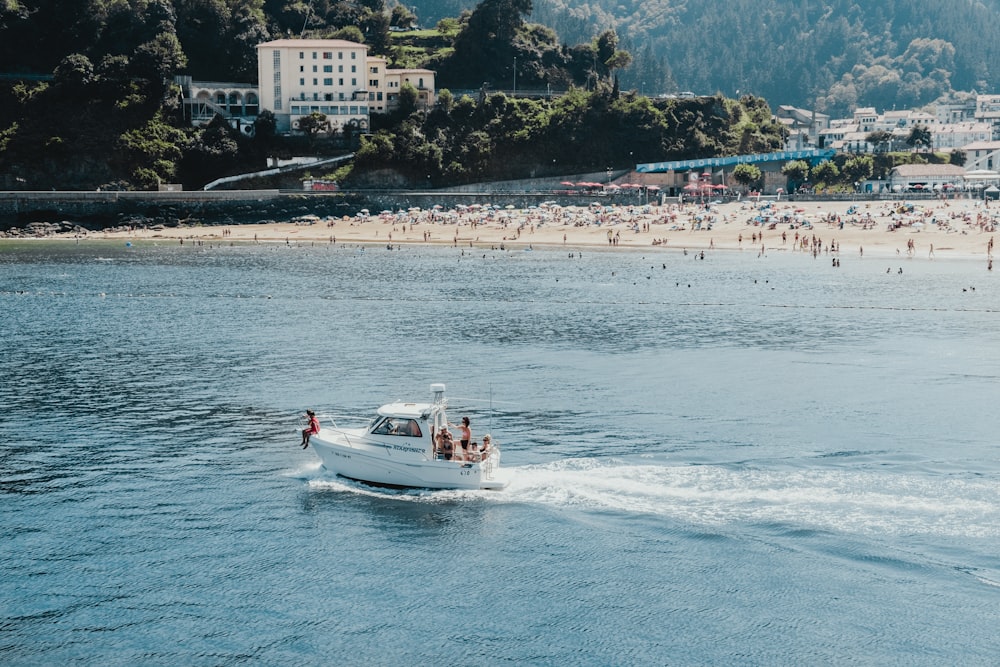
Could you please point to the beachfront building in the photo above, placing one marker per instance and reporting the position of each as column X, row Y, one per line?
column 926, row 177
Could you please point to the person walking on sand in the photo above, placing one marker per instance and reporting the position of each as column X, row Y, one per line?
column 310, row 430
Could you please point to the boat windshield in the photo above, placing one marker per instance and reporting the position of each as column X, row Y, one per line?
column 397, row 426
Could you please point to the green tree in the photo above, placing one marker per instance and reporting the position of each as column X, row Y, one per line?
column 880, row 139
column 825, row 172
column 797, row 173
column 920, row 137
column 747, row 175
column 247, row 29
column 858, row 168
column 313, row 124
column 402, row 17
column 150, row 154
column 74, row 75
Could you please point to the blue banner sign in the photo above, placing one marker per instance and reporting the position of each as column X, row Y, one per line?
column 783, row 156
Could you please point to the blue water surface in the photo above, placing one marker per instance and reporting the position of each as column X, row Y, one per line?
column 735, row 460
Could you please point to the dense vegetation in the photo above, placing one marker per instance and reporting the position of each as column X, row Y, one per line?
column 88, row 100
column 835, row 53
column 464, row 140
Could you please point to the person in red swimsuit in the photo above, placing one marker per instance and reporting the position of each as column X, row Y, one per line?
column 311, row 429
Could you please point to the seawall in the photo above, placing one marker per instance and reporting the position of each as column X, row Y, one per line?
column 99, row 210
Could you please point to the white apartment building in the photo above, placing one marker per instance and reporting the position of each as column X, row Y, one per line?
column 300, row 76
column 334, row 77
column 981, row 155
column 950, row 136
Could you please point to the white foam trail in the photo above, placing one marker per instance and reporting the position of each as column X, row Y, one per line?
column 842, row 500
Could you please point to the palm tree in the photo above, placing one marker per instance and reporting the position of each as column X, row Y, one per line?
column 920, row 136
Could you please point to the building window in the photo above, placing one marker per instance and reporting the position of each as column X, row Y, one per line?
column 343, row 111
column 354, row 82
column 302, row 55
column 315, row 81
column 373, row 70
column 420, row 82
column 327, row 55
column 354, row 55
column 277, row 97
column 340, row 55
column 341, row 82
column 315, row 69
column 327, row 69
column 354, row 68
column 314, row 55
column 373, row 83
column 302, row 68
column 340, row 68
column 328, row 82
column 354, row 111
column 378, row 96
column 302, row 82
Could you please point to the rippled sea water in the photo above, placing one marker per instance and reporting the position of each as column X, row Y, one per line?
column 739, row 460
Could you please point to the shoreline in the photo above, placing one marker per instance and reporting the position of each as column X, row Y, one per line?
column 939, row 229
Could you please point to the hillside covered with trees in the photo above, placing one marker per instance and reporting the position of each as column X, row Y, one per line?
column 87, row 99
column 835, row 53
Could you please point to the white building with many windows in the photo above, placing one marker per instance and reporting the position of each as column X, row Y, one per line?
column 334, row 77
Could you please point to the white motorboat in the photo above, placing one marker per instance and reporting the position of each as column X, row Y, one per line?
column 407, row 445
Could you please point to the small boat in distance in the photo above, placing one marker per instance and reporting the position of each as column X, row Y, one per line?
column 408, row 445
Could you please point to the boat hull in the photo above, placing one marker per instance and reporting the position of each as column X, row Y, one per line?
column 379, row 465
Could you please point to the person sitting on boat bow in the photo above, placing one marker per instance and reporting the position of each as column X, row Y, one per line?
column 310, row 430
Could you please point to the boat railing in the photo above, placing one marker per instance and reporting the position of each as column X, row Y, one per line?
column 493, row 454
column 341, row 430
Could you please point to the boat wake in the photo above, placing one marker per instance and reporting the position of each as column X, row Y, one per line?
column 851, row 501
column 840, row 500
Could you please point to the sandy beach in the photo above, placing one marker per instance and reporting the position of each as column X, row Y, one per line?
column 926, row 229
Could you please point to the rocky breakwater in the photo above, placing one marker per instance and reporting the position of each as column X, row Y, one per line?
column 24, row 214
